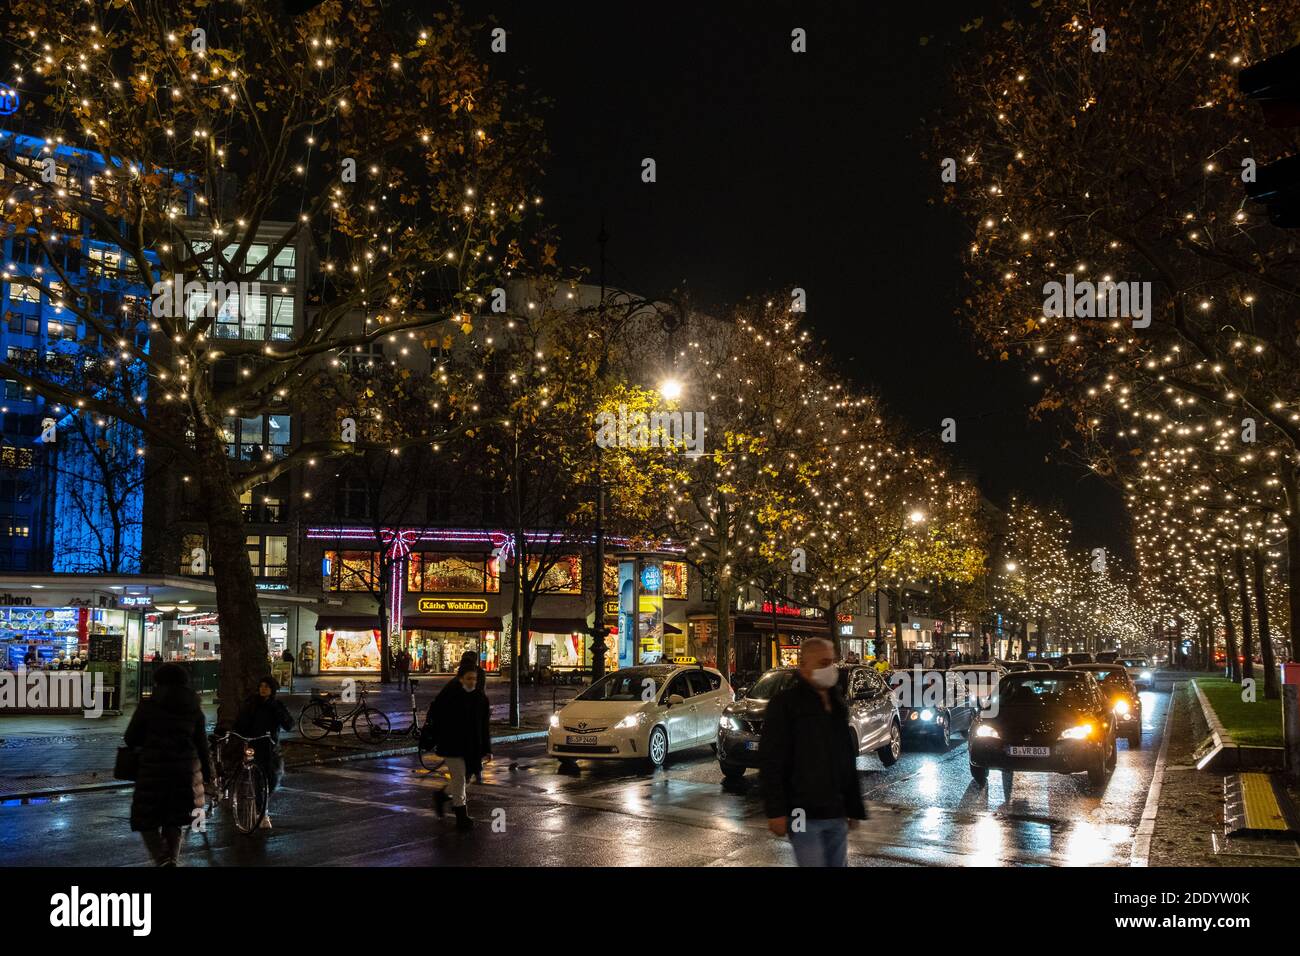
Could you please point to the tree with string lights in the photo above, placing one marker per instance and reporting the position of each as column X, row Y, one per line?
column 1103, row 149
column 379, row 141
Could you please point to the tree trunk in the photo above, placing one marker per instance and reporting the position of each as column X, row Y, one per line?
column 722, row 626
column 1229, row 628
column 1042, row 635
column 1291, row 485
column 898, row 627
column 1247, row 626
column 1271, row 690
column 244, row 656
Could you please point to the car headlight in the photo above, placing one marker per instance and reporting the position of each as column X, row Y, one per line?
column 927, row 714
column 630, row 721
column 1146, row 675
column 984, row 730
column 555, row 720
column 1121, row 707
column 1081, row 732
column 727, row 722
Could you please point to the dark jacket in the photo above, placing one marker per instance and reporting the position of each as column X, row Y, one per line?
column 806, row 756
column 259, row 716
column 174, row 763
column 457, row 725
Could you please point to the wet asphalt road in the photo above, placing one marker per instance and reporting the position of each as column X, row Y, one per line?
column 925, row 810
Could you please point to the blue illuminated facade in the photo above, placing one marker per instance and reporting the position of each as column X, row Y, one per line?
column 74, row 505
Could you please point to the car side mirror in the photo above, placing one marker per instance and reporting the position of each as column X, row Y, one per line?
column 674, row 699
column 741, row 692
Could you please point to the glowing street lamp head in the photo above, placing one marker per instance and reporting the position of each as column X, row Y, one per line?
column 1011, row 565
column 917, row 516
column 670, row 389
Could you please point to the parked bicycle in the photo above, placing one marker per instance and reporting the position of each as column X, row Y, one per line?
column 320, row 717
column 428, row 759
column 243, row 787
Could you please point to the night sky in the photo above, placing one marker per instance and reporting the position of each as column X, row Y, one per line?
column 778, row 170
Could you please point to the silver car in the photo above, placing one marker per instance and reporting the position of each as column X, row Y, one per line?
column 873, row 717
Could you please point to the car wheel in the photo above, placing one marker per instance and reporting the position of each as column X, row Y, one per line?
column 979, row 774
column 732, row 771
column 945, row 735
column 890, row 753
column 657, row 748
column 1114, row 755
column 1097, row 773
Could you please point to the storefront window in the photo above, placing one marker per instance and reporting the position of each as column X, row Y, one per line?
column 439, row 652
column 349, row 650
column 353, row 570
column 453, row 574
column 563, row 577
column 675, row 583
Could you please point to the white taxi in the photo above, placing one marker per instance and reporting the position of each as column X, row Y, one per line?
column 641, row 713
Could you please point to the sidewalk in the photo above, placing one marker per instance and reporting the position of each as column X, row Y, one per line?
column 42, row 756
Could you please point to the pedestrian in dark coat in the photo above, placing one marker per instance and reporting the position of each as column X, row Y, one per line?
column 169, row 731
column 403, row 666
column 808, row 764
column 457, row 727
column 262, row 714
column 471, row 659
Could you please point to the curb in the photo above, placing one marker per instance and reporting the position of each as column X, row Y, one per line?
column 321, row 761
column 1141, row 854
column 1246, row 756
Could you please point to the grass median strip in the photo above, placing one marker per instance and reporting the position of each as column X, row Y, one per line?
column 1252, row 724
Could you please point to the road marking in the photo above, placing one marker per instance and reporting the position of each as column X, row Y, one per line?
column 1141, row 855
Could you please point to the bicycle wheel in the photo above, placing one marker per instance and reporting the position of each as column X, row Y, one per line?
column 248, row 798
column 371, row 725
column 315, row 721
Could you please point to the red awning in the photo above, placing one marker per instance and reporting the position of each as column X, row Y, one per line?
column 347, row 622
column 428, row 622
column 558, row 625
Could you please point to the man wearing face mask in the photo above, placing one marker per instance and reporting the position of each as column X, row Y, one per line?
column 808, row 770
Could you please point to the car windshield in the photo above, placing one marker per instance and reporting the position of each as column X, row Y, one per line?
column 1025, row 689
column 627, row 684
column 770, row 684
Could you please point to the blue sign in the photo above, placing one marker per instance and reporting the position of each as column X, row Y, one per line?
column 8, row 100
column 652, row 577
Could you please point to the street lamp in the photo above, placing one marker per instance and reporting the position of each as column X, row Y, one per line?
column 1011, row 566
column 670, row 389
column 917, row 516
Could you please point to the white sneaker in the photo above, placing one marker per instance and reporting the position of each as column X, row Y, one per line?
column 266, row 823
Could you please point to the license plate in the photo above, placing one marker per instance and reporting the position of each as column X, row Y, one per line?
column 751, row 744
column 1029, row 751
column 586, row 739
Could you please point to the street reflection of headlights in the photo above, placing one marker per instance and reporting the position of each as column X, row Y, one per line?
column 555, row 720
column 727, row 722
column 927, row 714
column 1121, row 707
column 1081, row 732
column 985, row 730
column 630, row 721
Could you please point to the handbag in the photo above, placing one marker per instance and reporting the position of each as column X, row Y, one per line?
column 127, row 764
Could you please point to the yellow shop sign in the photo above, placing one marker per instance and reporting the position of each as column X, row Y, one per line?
column 453, row 605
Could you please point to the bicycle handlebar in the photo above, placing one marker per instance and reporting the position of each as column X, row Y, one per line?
column 247, row 740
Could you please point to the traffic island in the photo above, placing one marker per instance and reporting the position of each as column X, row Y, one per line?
column 1242, row 734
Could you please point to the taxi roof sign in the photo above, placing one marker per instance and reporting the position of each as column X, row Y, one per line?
column 685, row 660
